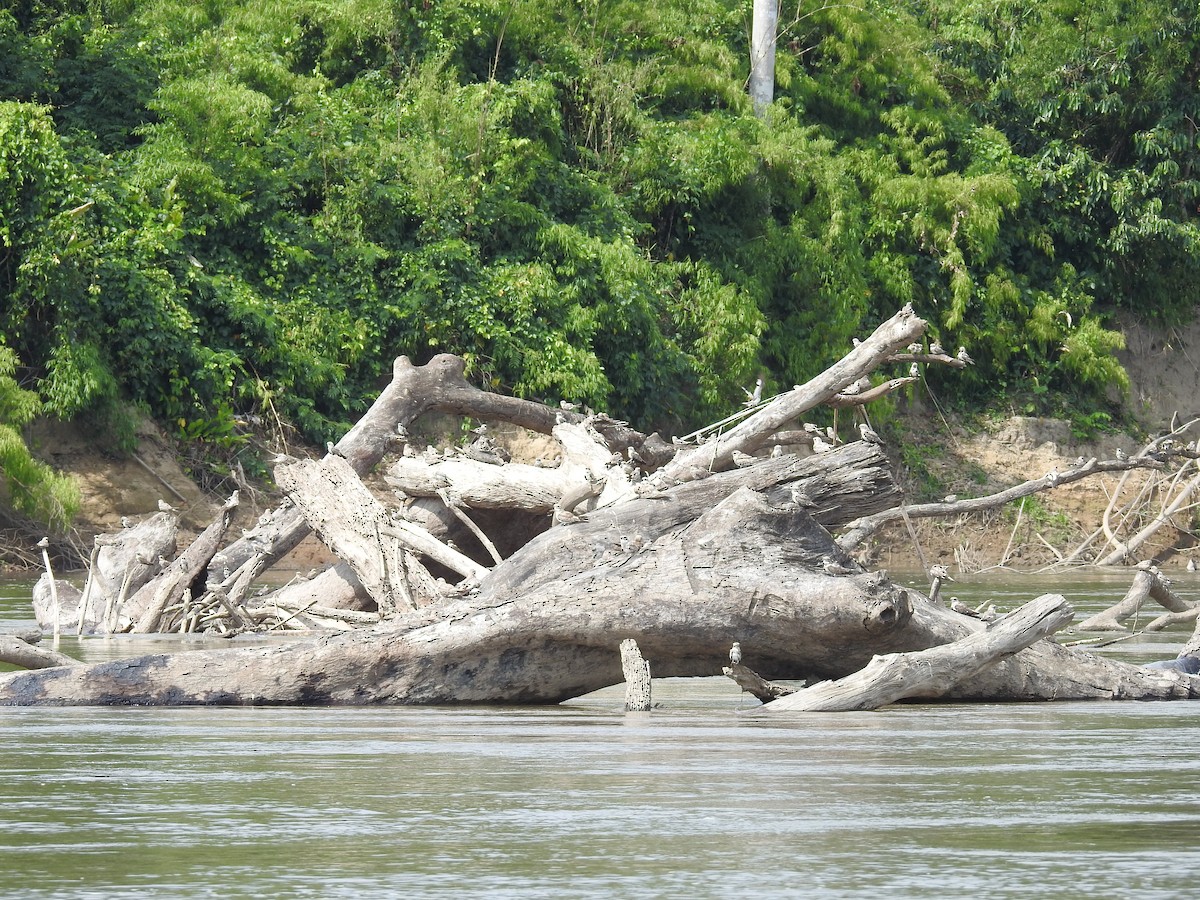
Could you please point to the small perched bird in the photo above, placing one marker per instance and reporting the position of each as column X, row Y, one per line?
column 833, row 567
column 1191, row 565
column 869, row 434
column 566, row 517
column 857, row 387
column 1052, row 477
column 936, row 349
column 164, row 506
column 963, row 356
column 741, row 460
column 821, row 446
column 777, row 451
column 855, row 341
column 914, row 371
column 568, row 406
column 1120, row 455
column 915, row 347
column 1080, row 462
column 754, row 397
column 950, row 498
column 801, row 498
column 735, row 654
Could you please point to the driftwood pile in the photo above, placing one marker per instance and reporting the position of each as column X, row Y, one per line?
column 488, row 580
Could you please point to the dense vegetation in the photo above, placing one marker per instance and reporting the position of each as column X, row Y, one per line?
column 234, row 208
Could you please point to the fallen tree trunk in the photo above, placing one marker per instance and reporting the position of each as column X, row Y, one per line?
column 18, row 652
column 1147, row 583
column 716, row 546
column 934, row 672
column 683, row 595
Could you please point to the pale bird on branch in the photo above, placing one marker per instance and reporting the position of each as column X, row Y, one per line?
column 735, row 654
column 963, row 356
column 754, row 397
column 869, row 434
column 936, row 349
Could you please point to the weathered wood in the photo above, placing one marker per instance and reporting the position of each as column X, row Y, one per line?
column 756, row 430
column 16, row 652
column 754, row 684
column 126, row 560
column 682, row 589
column 933, row 672
column 636, row 671
column 144, row 610
column 1147, row 583
column 858, row 531
column 60, row 604
column 364, row 535
column 437, row 386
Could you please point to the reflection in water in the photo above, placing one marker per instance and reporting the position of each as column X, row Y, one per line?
column 582, row 800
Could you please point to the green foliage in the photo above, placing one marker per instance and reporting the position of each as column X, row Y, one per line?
column 206, row 208
column 30, row 486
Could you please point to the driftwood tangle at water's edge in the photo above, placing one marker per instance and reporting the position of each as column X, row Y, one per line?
column 712, row 547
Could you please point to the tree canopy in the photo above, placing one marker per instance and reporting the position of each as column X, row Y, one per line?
column 227, row 209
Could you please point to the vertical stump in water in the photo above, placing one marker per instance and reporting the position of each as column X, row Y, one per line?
column 637, row 677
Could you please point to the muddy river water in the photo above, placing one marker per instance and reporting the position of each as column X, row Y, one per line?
column 582, row 800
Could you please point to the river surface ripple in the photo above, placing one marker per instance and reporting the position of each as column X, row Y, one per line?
column 582, row 800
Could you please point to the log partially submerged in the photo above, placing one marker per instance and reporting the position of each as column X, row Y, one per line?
column 1148, row 583
column 683, row 555
column 934, row 672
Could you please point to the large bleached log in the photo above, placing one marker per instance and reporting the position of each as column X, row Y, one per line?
column 684, row 590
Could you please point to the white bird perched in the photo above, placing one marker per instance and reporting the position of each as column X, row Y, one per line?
column 735, row 654
column 915, row 347
column 963, row 356
column 1120, row 454
column 1080, row 462
column 753, row 397
column 914, row 371
column 777, row 451
column 164, row 506
column 1191, row 565
column 936, row 349
column 810, row 428
column 869, row 434
column 950, row 498
column 568, row 406
column 821, row 446
column 857, row 387
column 741, row 460
column 1052, row 477
column 855, row 341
